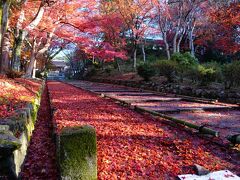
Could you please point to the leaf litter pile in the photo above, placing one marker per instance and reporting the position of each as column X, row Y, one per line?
column 40, row 162
column 135, row 146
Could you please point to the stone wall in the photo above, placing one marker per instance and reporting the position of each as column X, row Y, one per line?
column 221, row 95
column 15, row 135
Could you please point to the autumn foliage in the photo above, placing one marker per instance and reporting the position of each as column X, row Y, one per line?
column 111, row 30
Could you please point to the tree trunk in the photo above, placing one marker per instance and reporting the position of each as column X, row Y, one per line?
column 191, row 44
column 30, row 66
column 34, row 68
column 166, row 45
column 5, row 42
column 1, row 10
column 44, row 49
column 175, row 41
column 180, row 40
column 5, row 16
column 177, row 28
column 135, row 59
column 143, row 52
column 118, row 66
column 190, row 37
column 32, row 60
column 36, row 19
column 16, row 54
column 5, row 53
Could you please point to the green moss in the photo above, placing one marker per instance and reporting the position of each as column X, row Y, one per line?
column 8, row 142
column 17, row 145
column 77, row 153
column 29, row 129
column 35, row 107
column 1, row 14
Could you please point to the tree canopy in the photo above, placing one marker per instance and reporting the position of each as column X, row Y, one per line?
column 108, row 30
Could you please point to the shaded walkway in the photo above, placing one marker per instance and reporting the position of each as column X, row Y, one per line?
column 40, row 162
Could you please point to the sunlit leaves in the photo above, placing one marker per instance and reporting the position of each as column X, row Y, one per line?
column 14, row 94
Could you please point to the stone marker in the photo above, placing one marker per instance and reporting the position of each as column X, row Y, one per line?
column 77, row 153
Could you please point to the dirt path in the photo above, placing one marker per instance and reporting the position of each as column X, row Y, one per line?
column 40, row 162
column 135, row 146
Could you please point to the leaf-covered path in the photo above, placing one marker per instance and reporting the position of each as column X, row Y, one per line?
column 135, row 146
column 40, row 162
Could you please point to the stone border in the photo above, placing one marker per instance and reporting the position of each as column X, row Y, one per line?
column 15, row 135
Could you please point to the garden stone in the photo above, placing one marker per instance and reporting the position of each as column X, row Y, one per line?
column 186, row 90
column 211, row 94
column 201, row 170
column 198, row 92
column 231, row 95
column 204, row 93
column 28, row 112
column 4, row 128
column 77, row 149
column 8, row 143
column 175, row 91
column 9, row 122
column 238, row 95
column 221, row 94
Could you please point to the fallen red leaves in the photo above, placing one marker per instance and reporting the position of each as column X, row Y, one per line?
column 134, row 146
column 14, row 94
column 40, row 162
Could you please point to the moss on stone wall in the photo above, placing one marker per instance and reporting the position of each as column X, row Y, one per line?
column 77, row 153
column 13, row 143
column 8, row 143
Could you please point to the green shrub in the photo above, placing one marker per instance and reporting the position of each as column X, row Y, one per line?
column 231, row 74
column 202, row 74
column 108, row 69
column 91, row 72
column 151, row 58
column 146, row 71
column 192, row 73
column 166, row 68
column 185, row 59
column 206, row 75
column 97, row 65
column 217, row 68
column 185, row 62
